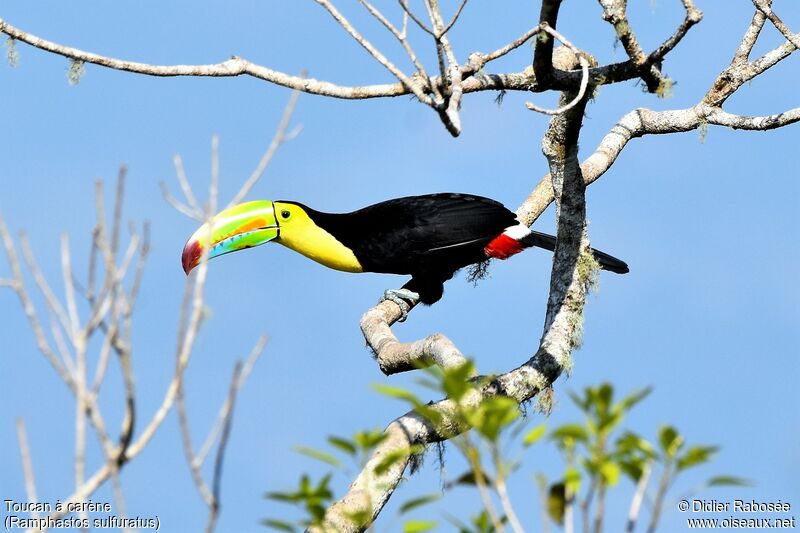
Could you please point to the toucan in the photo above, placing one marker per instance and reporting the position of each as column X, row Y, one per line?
column 429, row 237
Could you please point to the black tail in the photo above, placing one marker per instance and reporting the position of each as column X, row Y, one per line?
column 548, row 242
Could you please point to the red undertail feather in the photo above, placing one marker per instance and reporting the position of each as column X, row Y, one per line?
column 503, row 247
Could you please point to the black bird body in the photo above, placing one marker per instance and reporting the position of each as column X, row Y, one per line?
column 430, row 237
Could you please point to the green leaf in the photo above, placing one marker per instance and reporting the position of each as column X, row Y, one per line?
column 492, row 415
column 581, row 402
column 402, row 394
column 429, row 413
column 557, row 502
column 396, row 456
column 630, row 442
column 604, row 394
column 696, row 455
column 455, row 381
column 367, row 440
column 728, row 481
column 389, row 460
column 343, row 444
column 635, row 397
column 609, row 420
column 318, row 455
column 279, row 525
column 610, row 472
column 418, row 526
column 575, row 432
column 482, row 522
column 633, row 468
column 670, row 441
column 572, row 480
column 418, row 502
column 396, row 392
column 533, row 436
column 468, row 478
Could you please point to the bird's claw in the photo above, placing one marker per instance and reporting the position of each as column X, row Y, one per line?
column 404, row 299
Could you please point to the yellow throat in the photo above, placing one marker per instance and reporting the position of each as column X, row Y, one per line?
column 301, row 234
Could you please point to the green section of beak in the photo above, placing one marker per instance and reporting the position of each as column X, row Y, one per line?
column 236, row 228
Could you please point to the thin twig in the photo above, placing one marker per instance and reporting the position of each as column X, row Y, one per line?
column 247, row 368
column 27, row 465
column 30, row 311
column 407, row 11
column 502, row 491
column 638, row 497
column 402, row 37
column 180, row 172
column 216, row 482
column 69, row 288
column 473, row 457
column 178, row 205
column 116, row 217
column 50, row 298
column 277, row 139
column 452, row 22
column 188, row 451
column 375, row 53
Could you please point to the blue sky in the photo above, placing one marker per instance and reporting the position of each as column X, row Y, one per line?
column 708, row 314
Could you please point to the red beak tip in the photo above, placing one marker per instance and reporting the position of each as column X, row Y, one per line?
column 191, row 253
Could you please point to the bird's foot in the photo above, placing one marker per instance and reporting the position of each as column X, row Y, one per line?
column 404, row 299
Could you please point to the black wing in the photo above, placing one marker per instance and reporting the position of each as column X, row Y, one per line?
column 444, row 231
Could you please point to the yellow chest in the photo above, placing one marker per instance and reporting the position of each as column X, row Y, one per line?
column 319, row 245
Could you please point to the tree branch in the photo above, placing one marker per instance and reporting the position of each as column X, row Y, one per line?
column 569, row 280
column 394, row 356
column 373, row 487
column 584, row 63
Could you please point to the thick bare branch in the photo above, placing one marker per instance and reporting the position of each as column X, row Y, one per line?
column 764, row 7
column 649, row 66
column 450, row 70
column 740, row 72
column 760, row 123
column 394, row 356
column 584, row 63
column 543, row 53
column 236, row 66
column 750, row 37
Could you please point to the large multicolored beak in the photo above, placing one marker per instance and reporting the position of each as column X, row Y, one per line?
column 236, row 228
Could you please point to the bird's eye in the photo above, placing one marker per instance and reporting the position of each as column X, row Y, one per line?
column 285, row 214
